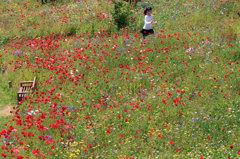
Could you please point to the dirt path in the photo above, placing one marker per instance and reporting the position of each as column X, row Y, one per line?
column 5, row 111
column 5, row 104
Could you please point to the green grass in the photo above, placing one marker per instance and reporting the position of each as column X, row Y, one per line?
column 174, row 96
column 5, row 99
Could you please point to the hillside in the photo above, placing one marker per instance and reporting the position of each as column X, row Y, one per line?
column 104, row 92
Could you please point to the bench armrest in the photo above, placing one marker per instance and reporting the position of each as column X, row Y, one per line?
column 34, row 83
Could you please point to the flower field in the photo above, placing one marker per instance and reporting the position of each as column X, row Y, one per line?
column 107, row 93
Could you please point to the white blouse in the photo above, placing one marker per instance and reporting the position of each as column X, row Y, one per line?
column 148, row 24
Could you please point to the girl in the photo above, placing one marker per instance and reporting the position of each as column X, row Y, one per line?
column 147, row 29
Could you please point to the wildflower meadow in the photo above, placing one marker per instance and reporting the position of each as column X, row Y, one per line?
column 104, row 92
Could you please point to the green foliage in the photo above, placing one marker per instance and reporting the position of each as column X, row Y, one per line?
column 72, row 31
column 121, row 14
column 112, row 29
column 45, row 1
column 4, row 40
column 143, row 5
column 125, row 16
column 204, row 79
column 133, row 2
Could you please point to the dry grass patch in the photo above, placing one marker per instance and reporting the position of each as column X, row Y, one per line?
column 5, row 111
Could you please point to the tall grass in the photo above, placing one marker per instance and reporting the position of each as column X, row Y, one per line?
column 104, row 93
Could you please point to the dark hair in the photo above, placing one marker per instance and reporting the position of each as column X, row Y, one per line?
column 147, row 9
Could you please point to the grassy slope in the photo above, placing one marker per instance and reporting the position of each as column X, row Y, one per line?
column 5, row 99
column 211, row 107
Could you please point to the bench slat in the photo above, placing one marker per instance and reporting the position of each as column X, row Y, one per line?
column 26, row 82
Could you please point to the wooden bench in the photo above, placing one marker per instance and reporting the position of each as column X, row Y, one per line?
column 26, row 87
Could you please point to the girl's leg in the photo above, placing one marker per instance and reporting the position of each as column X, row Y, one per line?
column 152, row 32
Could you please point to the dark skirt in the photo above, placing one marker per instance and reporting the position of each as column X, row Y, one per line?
column 146, row 32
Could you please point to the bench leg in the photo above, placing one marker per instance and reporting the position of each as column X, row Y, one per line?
column 19, row 97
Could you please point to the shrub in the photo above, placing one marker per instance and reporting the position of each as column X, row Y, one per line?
column 45, row 1
column 72, row 31
column 4, row 40
column 121, row 14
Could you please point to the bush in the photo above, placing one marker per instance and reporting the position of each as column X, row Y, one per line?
column 45, row 1
column 121, row 14
column 72, row 31
column 4, row 40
